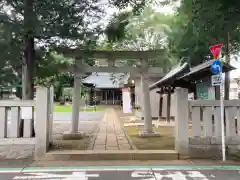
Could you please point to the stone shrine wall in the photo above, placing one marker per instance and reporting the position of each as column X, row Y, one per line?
column 15, row 148
column 211, row 148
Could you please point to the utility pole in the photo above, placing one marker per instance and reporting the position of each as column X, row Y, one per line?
column 227, row 60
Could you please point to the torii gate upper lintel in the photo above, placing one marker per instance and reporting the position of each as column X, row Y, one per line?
column 111, row 56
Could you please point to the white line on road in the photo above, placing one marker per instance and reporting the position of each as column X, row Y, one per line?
column 91, row 169
column 74, row 175
column 86, row 169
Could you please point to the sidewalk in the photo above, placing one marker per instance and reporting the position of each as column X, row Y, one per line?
column 110, row 135
column 8, row 164
column 135, row 163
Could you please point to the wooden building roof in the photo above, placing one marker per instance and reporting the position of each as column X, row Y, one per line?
column 171, row 76
column 183, row 75
column 203, row 70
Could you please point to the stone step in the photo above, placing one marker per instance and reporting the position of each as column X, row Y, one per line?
column 90, row 155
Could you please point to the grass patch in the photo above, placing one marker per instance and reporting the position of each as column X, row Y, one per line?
column 80, row 144
column 164, row 142
column 68, row 108
column 98, row 109
column 64, row 108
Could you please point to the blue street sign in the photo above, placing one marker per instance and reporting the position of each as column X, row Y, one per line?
column 216, row 67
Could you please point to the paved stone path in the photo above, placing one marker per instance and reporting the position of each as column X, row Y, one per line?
column 110, row 135
column 83, row 116
column 84, row 126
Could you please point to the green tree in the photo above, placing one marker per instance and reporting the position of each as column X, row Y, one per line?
column 203, row 24
column 47, row 24
column 145, row 31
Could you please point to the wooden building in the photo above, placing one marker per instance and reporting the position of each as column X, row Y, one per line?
column 196, row 79
column 106, row 88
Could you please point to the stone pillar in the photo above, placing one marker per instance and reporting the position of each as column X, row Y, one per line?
column 76, row 104
column 146, row 108
column 14, row 131
column 154, row 99
column 51, row 110
column 42, row 122
column 146, row 104
column 138, row 98
column 181, row 121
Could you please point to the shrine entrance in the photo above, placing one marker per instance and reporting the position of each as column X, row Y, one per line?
column 109, row 134
column 114, row 62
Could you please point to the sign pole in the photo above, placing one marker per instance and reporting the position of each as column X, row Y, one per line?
column 217, row 69
column 222, row 121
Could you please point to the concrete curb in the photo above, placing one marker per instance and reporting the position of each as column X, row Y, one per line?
column 130, row 142
column 90, row 155
column 93, row 139
column 119, row 168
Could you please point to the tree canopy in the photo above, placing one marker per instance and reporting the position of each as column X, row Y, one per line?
column 201, row 23
column 31, row 31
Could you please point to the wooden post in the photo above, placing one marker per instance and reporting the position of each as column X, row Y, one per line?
column 106, row 93
column 160, row 105
column 168, row 104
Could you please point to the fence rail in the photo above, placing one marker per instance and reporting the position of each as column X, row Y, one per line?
column 16, row 115
column 206, row 121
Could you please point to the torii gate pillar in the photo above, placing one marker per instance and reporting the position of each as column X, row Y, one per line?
column 148, row 131
column 73, row 133
column 76, row 103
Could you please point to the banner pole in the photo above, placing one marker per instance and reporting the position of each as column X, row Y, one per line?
column 222, row 120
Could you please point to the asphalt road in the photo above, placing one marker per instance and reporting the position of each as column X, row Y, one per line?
column 124, row 174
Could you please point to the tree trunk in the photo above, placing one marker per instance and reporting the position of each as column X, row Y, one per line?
column 58, row 93
column 19, row 92
column 28, row 60
column 227, row 60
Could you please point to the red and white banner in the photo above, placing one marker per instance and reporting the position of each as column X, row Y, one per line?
column 126, row 99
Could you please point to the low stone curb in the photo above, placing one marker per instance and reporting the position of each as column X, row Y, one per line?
column 130, row 142
column 90, row 155
column 93, row 139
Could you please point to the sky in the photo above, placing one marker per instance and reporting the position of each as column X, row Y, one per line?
column 163, row 9
column 235, row 73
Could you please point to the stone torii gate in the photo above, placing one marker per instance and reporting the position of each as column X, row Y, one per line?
column 142, row 69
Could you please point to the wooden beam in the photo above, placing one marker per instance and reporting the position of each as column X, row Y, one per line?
column 111, row 54
column 168, row 104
